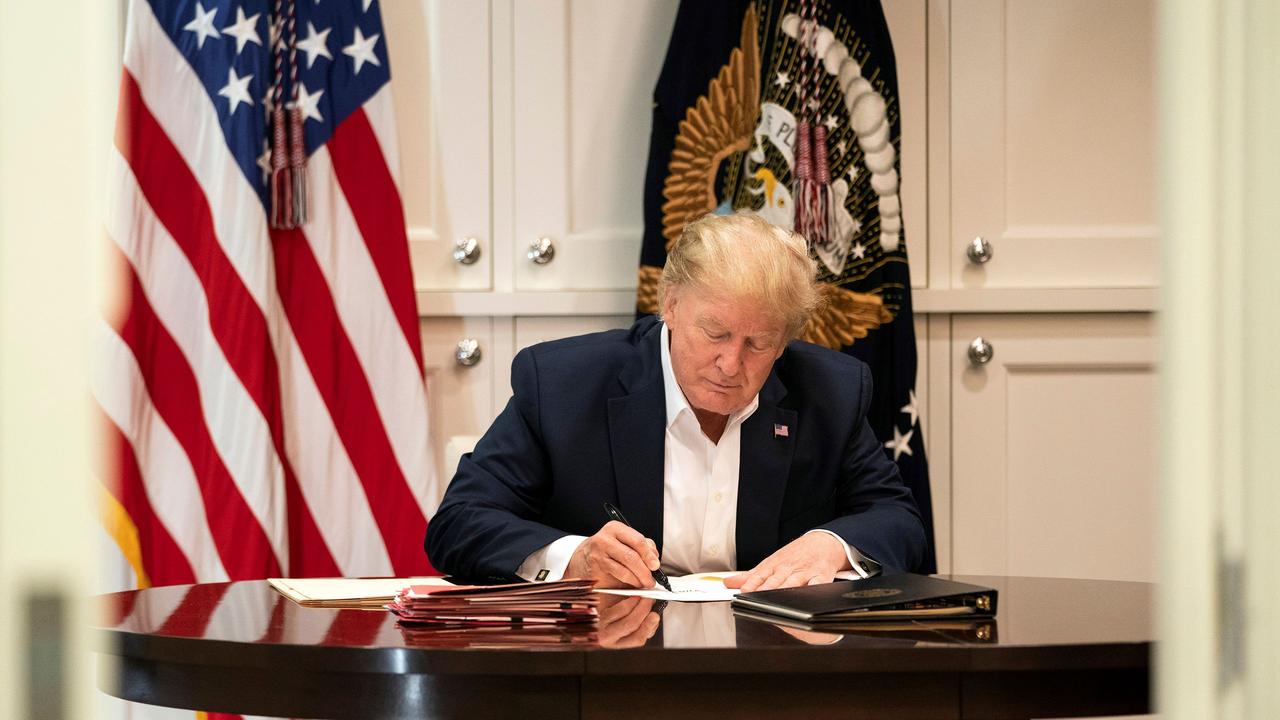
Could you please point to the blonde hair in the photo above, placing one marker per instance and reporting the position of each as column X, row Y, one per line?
column 743, row 256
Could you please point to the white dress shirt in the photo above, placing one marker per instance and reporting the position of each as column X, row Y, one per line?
column 700, row 483
column 699, row 498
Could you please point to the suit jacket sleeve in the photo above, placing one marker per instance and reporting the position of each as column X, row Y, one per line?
column 877, row 513
column 485, row 528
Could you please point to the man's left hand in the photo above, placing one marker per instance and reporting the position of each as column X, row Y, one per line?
column 811, row 559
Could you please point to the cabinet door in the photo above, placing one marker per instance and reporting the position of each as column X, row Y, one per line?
column 440, row 57
column 907, row 29
column 583, row 78
column 1052, row 142
column 1053, row 446
column 459, row 397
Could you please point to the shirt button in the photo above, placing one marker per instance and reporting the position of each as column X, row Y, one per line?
column 714, row 549
column 718, row 497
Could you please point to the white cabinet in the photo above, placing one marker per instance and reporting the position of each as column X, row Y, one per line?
column 1041, row 142
column 582, row 80
column 1053, row 446
column 520, row 121
column 1052, row 110
column 441, row 61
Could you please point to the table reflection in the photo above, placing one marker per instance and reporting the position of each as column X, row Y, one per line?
column 632, row 622
column 1086, row 645
column 1033, row 611
column 627, row 621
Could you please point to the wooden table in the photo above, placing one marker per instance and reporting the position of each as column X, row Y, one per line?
column 1059, row 648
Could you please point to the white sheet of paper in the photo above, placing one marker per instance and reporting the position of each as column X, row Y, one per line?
column 698, row 587
column 314, row 590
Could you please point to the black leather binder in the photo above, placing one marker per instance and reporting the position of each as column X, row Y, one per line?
column 887, row 597
column 967, row 630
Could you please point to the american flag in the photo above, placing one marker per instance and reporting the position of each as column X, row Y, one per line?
column 261, row 388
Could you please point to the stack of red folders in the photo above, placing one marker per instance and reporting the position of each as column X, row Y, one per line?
column 567, row 604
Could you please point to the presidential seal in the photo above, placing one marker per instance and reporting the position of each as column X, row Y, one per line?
column 799, row 127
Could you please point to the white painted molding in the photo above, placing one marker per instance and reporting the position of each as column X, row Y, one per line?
column 622, row 302
column 554, row 302
column 1036, row 300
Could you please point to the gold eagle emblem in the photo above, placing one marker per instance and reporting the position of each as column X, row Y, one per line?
column 721, row 123
column 718, row 125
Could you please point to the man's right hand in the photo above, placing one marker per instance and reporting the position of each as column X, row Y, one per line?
column 617, row 556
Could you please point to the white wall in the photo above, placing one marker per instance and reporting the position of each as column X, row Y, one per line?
column 56, row 107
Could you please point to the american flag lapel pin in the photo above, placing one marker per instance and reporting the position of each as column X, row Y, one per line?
column 780, row 431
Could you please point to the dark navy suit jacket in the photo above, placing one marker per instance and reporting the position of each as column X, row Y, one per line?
column 587, row 425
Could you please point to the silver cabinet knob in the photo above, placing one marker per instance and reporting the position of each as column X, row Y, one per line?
column 468, row 352
column 981, row 351
column 542, row 251
column 979, row 251
column 466, row 250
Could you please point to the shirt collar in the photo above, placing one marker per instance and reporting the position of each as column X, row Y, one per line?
column 677, row 403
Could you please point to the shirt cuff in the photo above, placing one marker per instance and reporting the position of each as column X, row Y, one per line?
column 550, row 562
column 863, row 566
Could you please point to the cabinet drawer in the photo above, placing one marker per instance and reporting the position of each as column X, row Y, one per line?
column 459, row 397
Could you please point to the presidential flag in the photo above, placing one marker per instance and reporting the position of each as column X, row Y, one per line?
column 789, row 109
column 260, row 384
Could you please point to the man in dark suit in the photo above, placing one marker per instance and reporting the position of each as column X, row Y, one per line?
column 726, row 443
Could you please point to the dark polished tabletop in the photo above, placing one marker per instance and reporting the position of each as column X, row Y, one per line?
column 244, row 648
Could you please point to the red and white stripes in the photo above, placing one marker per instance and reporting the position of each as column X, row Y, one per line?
column 264, row 387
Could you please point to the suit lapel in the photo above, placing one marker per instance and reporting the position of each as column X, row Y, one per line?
column 637, row 436
column 766, row 455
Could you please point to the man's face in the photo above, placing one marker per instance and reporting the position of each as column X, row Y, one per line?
column 721, row 349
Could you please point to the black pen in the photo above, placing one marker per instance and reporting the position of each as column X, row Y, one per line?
column 616, row 514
